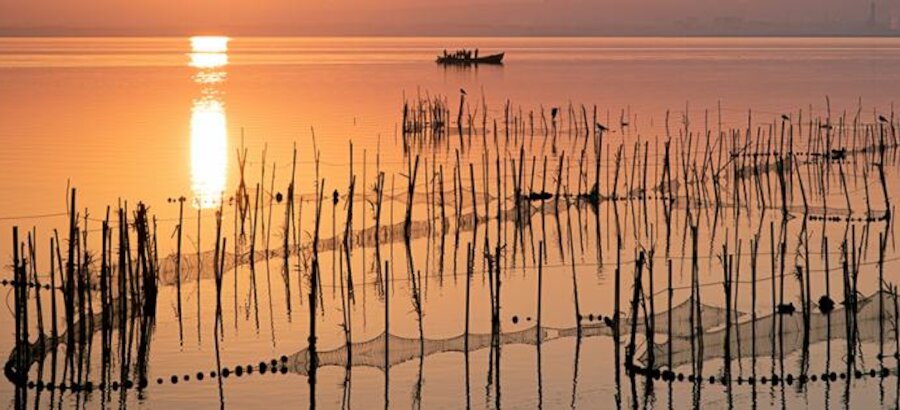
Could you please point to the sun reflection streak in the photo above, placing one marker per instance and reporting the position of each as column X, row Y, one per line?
column 209, row 150
column 208, row 60
column 209, row 127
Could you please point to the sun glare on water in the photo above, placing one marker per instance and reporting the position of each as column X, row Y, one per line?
column 208, row 60
column 209, row 128
column 208, row 152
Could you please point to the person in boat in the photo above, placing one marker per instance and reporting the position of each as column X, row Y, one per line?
column 476, row 53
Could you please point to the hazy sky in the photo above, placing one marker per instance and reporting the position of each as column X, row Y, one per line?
column 446, row 17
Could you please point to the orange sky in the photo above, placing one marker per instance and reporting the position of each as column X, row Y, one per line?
column 444, row 17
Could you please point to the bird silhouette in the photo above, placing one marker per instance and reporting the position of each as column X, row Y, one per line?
column 838, row 154
column 786, row 309
column 601, row 127
column 609, row 321
column 463, row 91
column 785, row 117
column 826, row 305
column 882, row 119
column 553, row 112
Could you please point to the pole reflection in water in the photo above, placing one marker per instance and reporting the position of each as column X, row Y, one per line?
column 209, row 138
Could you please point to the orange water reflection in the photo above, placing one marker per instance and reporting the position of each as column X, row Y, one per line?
column 209, row 129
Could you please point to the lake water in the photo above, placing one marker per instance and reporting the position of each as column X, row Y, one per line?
column 150, row 119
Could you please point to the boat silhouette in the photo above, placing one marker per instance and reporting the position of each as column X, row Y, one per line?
column 463, row 60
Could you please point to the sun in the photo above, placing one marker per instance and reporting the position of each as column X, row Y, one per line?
column 209, row 44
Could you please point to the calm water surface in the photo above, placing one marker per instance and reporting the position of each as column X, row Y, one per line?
column 110, row 113
column 148, row 119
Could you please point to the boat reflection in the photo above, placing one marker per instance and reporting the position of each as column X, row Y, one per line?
column 209, row 130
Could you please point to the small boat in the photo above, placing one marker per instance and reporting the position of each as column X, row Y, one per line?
column 454, row 60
